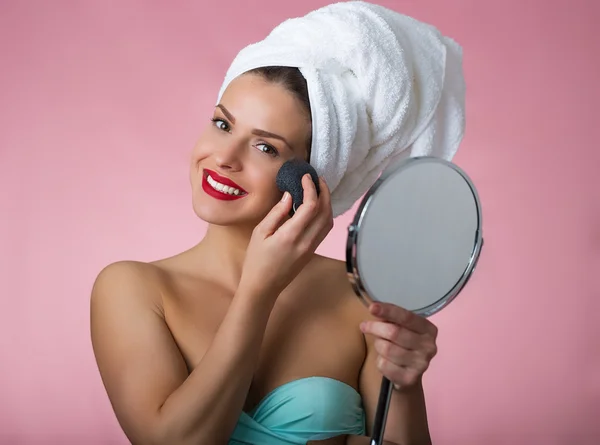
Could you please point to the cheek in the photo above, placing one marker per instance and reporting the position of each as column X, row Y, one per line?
column 263, row 183
column 198, row 154
column 204, row 145
column 200, row 151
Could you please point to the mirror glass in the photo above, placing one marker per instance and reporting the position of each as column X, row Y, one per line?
column 416, row 237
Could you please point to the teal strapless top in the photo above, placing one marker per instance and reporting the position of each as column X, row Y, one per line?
column 311, row 408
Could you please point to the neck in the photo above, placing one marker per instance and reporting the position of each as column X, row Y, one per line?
column 225, row 246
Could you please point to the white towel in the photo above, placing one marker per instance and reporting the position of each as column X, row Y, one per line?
column 383, row 86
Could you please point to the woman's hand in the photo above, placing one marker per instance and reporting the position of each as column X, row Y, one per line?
column 280, row 246
column 404, row 341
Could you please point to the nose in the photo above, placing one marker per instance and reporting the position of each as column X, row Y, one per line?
column 229, row 157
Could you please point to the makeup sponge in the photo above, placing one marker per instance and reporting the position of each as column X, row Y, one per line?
column 289, row 178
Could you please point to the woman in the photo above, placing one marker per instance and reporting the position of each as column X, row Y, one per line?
column 249, row 336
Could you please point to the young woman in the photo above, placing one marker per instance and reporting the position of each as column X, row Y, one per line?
column 188, row 344
column 249, row 337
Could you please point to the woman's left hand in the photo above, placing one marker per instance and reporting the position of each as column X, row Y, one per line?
column 405, row 343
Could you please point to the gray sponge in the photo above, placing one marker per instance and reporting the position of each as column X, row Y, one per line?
column 289, row 178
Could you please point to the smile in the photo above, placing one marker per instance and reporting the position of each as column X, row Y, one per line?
column 220, row 187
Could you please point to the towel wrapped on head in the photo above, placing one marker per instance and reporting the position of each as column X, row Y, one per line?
column 382, row 86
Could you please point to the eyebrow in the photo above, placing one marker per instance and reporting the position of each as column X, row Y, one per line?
column 256, row 131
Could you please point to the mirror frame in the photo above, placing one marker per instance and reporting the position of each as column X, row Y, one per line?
column 353, row 236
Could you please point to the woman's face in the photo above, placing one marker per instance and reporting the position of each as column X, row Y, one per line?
column 257, row 126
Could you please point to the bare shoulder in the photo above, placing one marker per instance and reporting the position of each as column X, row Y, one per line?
column 331, row 276
column 331, row 271
column 128, row 269
column 138, row 360
column 134, row 279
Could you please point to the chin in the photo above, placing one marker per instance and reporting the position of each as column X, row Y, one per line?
column 211, row 214
column 224, row 214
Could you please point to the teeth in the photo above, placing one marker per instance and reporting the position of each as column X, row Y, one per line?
column 222, row 188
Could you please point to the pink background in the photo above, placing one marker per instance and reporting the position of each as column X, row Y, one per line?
column 100, row 104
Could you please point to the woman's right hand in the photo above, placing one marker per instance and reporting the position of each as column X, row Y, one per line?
column 279, row 249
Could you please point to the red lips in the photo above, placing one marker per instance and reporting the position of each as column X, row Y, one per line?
column 209, row 190
column 223, row 180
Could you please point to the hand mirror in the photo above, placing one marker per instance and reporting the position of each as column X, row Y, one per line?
column 414, row 242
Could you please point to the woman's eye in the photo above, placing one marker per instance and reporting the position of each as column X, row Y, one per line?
column 265, row 148
column 221, row 124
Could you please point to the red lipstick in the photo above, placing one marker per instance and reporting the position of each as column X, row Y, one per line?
column 209, row 190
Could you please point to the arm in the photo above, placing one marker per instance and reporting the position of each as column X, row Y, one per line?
column 401, row 350
column 407, row 417
column 145, row 376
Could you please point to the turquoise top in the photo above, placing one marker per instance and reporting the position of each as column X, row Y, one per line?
column 312, row 408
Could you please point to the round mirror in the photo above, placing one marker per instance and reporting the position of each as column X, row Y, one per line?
column 414, row 242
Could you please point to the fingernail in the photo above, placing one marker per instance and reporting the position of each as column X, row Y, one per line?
column 363, row 326
column 285, row 197
column 376, row 309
